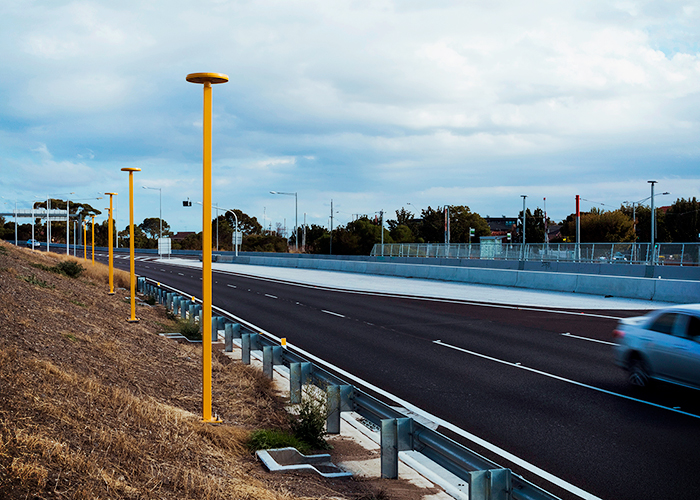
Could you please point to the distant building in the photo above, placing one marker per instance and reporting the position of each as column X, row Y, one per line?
column 501, row 226
column 179, row 236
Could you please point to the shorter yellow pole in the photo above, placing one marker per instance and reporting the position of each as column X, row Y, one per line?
column 85, row 240
column 131, row 171
column 111, row 247
column 93, row 239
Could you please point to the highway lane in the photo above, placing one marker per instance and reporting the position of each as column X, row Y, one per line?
column 614, row 447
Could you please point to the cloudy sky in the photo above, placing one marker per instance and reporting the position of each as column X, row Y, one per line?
column 376, row 105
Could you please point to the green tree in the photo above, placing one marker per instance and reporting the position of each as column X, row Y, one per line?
column 682, row 220
column 598, row 226
column 643, row 227
column 461, row 220
column 141, row 240
column 534, row 222
column 314, row 236
column 151, row 227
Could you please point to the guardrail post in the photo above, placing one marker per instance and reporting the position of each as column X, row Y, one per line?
column 228, row 337
column 493, row 484
column 169, row 301
column 249, row 342
column 396, row 435
column 299, row 374
column 214, row 331
column 272, row 355
column 221, row 322
column 338, row 399
column 183, row 308
column 245, row 348
column 190, row 312
column 176, row 305
column 201, row 324
column 234, row 330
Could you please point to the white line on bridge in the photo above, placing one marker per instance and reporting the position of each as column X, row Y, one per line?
column 331, row 312
column 567, row 334
column 557, row 377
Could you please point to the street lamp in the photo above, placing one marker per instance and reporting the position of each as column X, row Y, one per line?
column 132, row 263
column 111, row 245
column 235, row 234
column 160, row 211
column 524, row 197
column 296, row 220
column 207, row 79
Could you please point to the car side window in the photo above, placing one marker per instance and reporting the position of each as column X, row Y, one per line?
column 693, row 330
column 664, row 323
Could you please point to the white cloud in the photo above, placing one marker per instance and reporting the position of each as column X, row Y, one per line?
column 367, row 102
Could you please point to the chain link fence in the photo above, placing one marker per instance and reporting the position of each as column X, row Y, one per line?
column 676, row 254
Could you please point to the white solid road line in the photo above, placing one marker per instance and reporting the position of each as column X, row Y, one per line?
column 232, row 286
column 557, row 377
column 567, row 334
column 331, row 312
column 271, row 296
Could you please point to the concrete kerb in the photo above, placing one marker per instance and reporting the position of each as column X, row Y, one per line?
column 632, row 287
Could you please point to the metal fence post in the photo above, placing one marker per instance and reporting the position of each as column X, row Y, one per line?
column 267, row 361
column 228, row 337
column 183, row 308
column 396, row 435
column 214, row 331
column 493, row 484
column 245, row 348
column 338, row 399
column 299, row 374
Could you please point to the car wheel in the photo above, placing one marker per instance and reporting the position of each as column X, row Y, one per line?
column 638, row 373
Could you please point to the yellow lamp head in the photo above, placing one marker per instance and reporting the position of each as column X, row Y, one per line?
column 211, row 78
column 131, row 169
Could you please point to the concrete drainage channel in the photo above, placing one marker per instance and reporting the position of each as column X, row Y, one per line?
column 461, row 472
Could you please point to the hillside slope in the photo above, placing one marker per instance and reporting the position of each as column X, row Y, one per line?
column 92, row 406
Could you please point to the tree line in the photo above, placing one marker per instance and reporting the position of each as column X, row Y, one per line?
column 678, row 223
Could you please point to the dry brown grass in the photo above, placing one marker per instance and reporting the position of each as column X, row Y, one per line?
column 99, row 272
column 94, row 407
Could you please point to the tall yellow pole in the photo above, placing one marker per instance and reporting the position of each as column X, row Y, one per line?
column 111, row 247
column 93, row 239
column 85, row 240
column 207, row 79
column 131, row 171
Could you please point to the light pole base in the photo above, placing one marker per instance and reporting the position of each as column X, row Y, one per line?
column 213, row 420
column 111, row 293
column 133, row 320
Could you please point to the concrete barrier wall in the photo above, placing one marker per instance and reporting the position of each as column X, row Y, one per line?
column 676, row 290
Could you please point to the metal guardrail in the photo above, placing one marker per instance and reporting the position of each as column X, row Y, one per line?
column 485, row 478
column 680, row 254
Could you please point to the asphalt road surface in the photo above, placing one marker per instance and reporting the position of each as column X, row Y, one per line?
column 538, row 383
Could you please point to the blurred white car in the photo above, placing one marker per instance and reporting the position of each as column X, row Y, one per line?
column 663, row 345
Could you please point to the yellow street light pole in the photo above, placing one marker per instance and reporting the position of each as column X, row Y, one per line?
column 85, row 240
column 207, row 79
column 131, row 171
column 111, row 249
column 93, row 239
